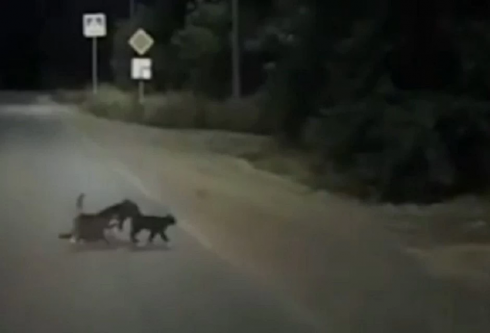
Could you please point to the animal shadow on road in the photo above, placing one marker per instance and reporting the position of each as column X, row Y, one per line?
column 114, row 244
column 118, row 243
column 150, row 247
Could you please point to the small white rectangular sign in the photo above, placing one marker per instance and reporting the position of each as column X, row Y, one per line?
column 141, row 68
column 94, row 25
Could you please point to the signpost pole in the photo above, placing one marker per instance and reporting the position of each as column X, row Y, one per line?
column 141, row 91
column 94, row 26
column 141, row 42
column 94, row 66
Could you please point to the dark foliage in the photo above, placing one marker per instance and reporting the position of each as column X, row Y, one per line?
column 305, row 56
column 412, row 148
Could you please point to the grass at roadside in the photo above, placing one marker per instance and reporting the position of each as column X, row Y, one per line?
column 70, row 96
column 175, row 110
column 185, row 110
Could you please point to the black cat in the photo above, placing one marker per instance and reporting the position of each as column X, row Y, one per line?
column 157, row 225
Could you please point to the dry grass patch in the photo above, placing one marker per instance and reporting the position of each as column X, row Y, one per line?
column 177, row 110
column 70, row 96
column 112, row 103
column 188, row 110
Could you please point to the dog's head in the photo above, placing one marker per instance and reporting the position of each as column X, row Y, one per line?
column 171, row 220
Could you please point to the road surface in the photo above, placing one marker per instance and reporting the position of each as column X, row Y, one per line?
column 50, row 285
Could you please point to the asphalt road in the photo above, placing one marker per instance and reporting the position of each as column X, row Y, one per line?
column 50, row 285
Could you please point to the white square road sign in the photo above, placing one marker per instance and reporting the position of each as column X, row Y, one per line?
column 94, row 25
column 141, row 68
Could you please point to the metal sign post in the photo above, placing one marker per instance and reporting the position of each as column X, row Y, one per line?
column 95, row 79
column 141, row 68
column 141, row 91
column 94, row 27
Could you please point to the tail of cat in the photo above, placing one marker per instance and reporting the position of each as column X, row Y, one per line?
column 79, row 205
column 80, row 199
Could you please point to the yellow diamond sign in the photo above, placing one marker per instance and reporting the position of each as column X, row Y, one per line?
column 141, row 41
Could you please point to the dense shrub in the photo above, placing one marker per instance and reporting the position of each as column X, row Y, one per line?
column 411, row 147
column 112, row 103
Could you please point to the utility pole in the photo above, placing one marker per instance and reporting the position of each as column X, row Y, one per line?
column 235, row 50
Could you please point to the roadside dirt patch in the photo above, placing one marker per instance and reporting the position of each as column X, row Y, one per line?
column 332, row 255
column 466, row 264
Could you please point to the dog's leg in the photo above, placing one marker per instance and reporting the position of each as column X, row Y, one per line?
column 153, row 233
column 75, row 234
column 164, row 236
column 133, row 234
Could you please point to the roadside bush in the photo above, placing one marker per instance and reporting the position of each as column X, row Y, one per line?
column 172, row 110
column 112, row 103
column 243, row 115
column 412, row 147
column 70, row 96
column 178, row 110
column 188, row 110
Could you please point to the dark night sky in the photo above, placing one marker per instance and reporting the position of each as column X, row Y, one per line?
column 41, row 37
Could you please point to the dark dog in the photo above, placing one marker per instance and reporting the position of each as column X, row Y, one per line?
column 91, row 227
column 157, row 225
